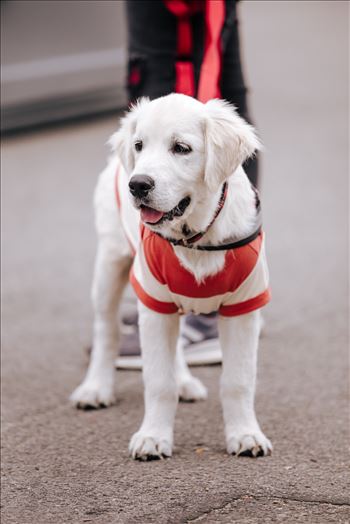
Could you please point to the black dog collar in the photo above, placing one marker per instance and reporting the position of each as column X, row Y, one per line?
column 189, row 242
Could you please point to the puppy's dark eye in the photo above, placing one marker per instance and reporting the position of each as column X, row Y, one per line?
column 182, row 149
column 138, row 146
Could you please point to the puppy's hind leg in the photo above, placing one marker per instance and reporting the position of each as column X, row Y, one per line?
column 190, row 388
column 110, row 277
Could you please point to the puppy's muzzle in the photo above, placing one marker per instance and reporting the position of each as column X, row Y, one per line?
column 141, row 185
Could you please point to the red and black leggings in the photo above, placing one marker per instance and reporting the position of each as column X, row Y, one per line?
column 155, row 54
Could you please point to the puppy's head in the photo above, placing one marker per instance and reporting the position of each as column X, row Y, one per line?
column 178, row 152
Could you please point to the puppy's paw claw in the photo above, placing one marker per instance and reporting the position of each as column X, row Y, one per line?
column 144, row 447
column 192, row 389
column 93, row 395
column 250, row 444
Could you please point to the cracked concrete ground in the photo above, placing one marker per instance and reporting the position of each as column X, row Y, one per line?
column 61, row 465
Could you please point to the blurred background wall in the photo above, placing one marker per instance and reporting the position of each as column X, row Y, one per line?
column 60, row 59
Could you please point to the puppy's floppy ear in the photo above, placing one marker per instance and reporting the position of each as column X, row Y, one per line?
column 121, row 141
column 229, row 142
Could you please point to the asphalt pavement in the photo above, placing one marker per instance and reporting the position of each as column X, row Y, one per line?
column 61, row 465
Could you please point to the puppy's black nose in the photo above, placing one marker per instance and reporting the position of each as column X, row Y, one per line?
column 141, row 185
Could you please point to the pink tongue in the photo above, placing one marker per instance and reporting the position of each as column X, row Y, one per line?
column 150, row 215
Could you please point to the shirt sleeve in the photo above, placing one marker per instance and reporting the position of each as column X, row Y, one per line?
column 252, row 294
column 152, row 293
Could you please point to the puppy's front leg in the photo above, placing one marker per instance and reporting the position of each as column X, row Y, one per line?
column 239, row 338
column 158, row 334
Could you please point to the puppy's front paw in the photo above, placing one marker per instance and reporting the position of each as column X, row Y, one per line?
column 192, row 389
column 250, row 443
column 144, row 446
column 94, row 394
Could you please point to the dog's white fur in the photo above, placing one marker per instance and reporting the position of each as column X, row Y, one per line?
column 220, row 141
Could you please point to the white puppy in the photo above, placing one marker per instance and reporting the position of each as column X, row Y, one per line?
column 177, row 176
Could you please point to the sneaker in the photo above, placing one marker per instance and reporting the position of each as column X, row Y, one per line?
column 198, row 335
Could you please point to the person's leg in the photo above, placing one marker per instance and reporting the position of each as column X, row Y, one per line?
column 233, row 87
column 152, row 49
column 198, row 41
